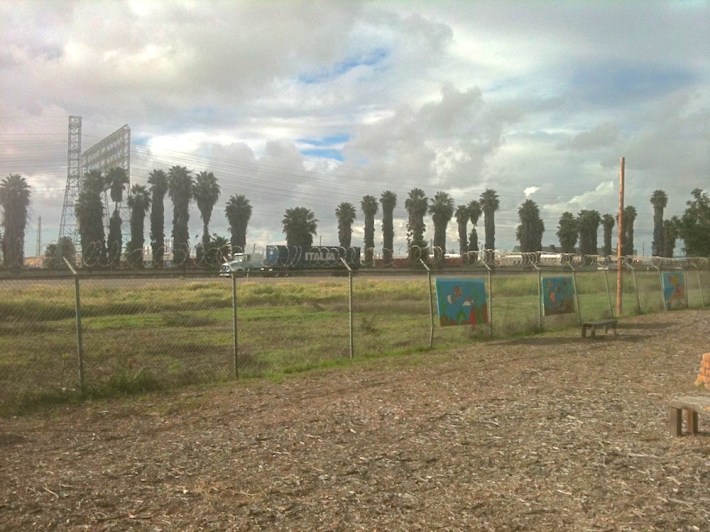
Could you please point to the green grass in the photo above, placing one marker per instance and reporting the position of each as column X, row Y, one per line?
column 168, row 334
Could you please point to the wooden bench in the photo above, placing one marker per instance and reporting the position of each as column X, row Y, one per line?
column 691, row 405
column 609, row 323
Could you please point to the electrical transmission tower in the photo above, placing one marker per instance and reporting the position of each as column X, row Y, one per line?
column 68, row 225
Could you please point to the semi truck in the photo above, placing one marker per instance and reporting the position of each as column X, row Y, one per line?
column 242, row 263
column 283, row 260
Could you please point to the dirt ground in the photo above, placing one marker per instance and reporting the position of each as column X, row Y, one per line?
column 550, row 432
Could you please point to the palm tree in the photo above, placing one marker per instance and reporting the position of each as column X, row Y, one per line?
column 299, row 226
column 54, row 254
column 116, row 182
column 205, row 190
column 89, row 210
column 607, row 225
column 180, row 191
column 345, row 214
column 221, row 245
column 158, row 181
column 15, row 201
column 588, row 227
column 138, row 202
column 462, row 216
column 474, row 211
column 670, row 234
column 388, row 200
column 628, row 237
column 441, row 208
column 567, row 232
column 238, row 211
column 369, row 207
column 416, row 205
column 529, row 232
column 114, row 241
column 489, row 205
column 659, row 200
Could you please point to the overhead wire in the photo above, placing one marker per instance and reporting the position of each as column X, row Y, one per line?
column 263, row 176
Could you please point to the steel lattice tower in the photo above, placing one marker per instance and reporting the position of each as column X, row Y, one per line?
column 68, row 226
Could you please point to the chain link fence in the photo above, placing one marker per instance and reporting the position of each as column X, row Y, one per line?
column 104, row 335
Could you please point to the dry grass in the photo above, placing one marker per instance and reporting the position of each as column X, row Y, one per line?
column 551, row 432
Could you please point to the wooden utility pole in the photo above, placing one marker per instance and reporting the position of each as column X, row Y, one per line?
column 619, row 241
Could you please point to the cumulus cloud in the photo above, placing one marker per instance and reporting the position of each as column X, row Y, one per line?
column 529, row 191
column 297, row 103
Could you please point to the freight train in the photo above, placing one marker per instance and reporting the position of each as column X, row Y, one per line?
column 283, row 260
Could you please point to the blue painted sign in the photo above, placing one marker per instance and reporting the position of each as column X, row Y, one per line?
column 557, row 295
column 461, row 301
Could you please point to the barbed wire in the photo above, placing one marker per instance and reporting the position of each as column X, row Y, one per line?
column 97, row 255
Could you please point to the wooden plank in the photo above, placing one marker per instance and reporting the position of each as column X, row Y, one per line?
column 691, row 421
column 675, row 421
column 694, row 402
column 691, row 405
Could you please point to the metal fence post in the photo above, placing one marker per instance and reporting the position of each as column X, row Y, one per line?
column 660, row 280
column 636, row 289
column 700, row 285
column 350, row 307
column 431, row 305
column 608, row 292
column 235, row 343
column 350, row 311
column 576, row 293
column 79, row 338
column 490, row 298
column 539, row 296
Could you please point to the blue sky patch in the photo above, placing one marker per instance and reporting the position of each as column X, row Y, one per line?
column 140, row 140
column 343, row 67
column 330, row 140
column 324, row 153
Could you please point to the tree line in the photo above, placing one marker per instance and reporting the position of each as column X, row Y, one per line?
column 576, row 233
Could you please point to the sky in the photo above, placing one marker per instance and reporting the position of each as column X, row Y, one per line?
column 317, row 102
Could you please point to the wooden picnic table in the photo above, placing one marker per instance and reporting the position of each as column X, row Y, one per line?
column 608, row 323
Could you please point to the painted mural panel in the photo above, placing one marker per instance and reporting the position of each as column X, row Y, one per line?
column 674, row 293
column 557, row 295
column 461, row 301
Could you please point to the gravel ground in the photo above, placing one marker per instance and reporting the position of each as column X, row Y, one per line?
column 553, row 431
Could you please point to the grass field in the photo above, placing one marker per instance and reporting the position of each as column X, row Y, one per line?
column 147, row 334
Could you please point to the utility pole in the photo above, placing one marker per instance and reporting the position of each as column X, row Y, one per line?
column 619, row 241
